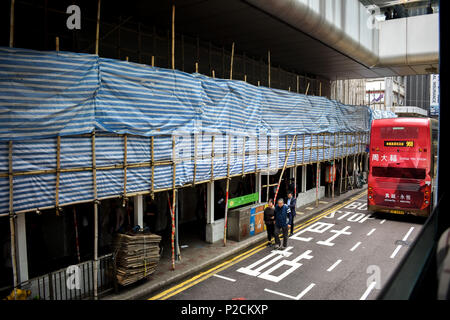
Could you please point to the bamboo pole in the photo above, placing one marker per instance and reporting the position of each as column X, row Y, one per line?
column 303, row 150
column 243, row 155
column 195, row 158
column 268, row 59
column 153, row 61
column 125, row 166
column 77, row 242
column 94, row 181
column 213, row 73
column 295, row 168
column 212, row 157
column 173, row 37
column 320, row 88
column 334, row 166
column 57, row 43
column 152, row 164
column 196, row 67
column 97, row 32
column 231, row 63
column 307, row 89
column 346, row 161
column 317, row 172
column 268, row 165
column 256, row 153
column 58, row 169
column 245, row 78
column 227, row 192
column 342, row 167
column 11, row 24
column 284, row 168
column 174, row 170
column 12, row 224
column 298, row 84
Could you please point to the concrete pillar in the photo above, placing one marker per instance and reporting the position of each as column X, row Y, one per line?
column 258, row 185
column 304, row 178
column 21, row 248
column 210, row 202
column 138, row 210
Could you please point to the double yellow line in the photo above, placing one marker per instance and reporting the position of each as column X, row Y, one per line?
column 220, row 267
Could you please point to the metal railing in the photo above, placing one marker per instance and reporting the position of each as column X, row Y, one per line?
column 73, row 283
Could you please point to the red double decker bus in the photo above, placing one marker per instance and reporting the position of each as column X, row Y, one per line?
column 402, row 165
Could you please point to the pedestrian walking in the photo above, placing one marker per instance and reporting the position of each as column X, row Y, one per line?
column 291, row 203
column 269, row 220
column 281, row 223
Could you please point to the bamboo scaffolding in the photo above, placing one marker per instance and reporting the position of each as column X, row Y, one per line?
column 152, row 164
column 307, row 88
column 227, row 192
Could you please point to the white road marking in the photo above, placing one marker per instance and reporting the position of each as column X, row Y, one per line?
column 395, row 251
column 382, row 221
column 355, row 246
column 371, row 231
column 407, row 235
column 334, row 265
column 222, row 277
column 309, row 208
column 400, row 246
column 298, row 297
column 368, row 290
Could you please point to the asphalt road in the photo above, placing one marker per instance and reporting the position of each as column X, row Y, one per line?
column 344, row 253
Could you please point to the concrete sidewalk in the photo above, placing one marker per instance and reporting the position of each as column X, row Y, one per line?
column 200, row 255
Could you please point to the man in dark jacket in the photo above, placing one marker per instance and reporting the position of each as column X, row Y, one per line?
column 291, row 202
column 269, row 220
column 281, row 223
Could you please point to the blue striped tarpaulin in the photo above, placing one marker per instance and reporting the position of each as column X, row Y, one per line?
column 50, row 94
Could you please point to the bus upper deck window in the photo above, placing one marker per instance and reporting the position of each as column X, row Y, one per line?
column 399, row 132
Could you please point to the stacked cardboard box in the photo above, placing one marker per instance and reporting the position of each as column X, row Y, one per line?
column 137, row 256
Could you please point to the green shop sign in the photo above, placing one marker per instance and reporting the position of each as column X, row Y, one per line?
column 239, row 201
